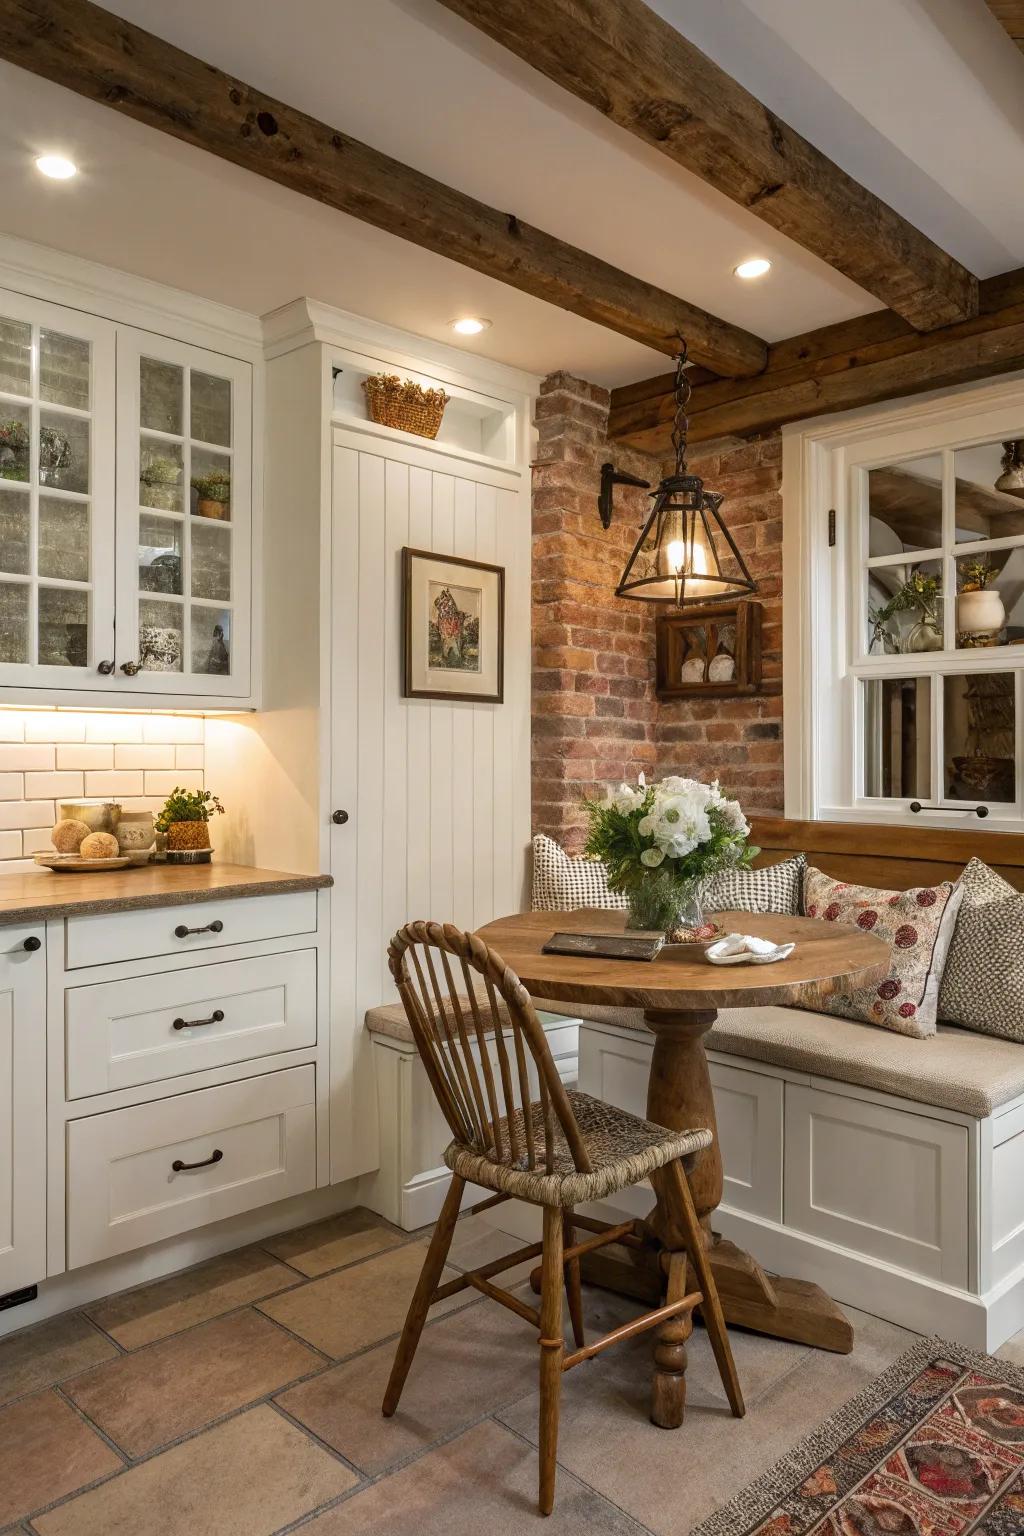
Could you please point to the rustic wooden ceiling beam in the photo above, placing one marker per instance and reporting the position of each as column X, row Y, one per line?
column 635, row 68
column 78, row 45
column 1010, row 14
column 858, row 362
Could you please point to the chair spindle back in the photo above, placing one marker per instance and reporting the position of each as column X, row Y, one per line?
column 450, row 984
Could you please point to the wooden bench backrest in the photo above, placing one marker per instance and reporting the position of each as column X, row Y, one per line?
column 891, row 858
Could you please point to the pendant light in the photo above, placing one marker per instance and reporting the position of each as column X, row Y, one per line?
column 685, row 553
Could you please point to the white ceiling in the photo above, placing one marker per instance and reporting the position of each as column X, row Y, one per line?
column 921, row 99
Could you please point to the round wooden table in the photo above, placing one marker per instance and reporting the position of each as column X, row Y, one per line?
column 680, row 993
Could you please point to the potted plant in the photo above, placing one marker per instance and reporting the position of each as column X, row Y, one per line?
column 13, row 450
column 185, row 819
column 980, row 614
column 213, row 494
column 661, row 842
column 920, row 594
column 161, row 478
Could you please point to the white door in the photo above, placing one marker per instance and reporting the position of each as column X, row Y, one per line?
column 437, row 792
column 22, row 1107
column 56, row 496
column 184, row 513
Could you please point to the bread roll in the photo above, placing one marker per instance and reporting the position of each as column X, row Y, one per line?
column 68, row 835
column 99, row 845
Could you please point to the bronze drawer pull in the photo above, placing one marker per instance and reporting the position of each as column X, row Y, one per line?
column 215, row 1018
column 179, row 1167
column 181, row 932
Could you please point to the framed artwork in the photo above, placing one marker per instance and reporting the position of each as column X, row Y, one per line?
column 454, row 619
column 711, row 652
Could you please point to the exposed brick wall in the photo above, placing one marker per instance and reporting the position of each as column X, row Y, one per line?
column 739, row 740
column 596, row 718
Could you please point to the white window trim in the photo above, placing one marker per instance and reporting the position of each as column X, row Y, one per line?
column 819, row 755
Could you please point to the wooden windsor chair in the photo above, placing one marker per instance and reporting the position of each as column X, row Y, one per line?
column 520, row 1133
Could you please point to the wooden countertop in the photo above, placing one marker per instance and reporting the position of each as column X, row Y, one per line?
column 32, row 896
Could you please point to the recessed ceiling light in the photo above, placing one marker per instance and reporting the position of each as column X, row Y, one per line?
column 757, row 266
column 58, row 167
column 469, row 325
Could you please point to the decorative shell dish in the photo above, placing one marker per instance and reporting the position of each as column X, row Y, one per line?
column 745, row 949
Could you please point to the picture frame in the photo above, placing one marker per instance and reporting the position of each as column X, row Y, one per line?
column 710, row 652
column 453, row 618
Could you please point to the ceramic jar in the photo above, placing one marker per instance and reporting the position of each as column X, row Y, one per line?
column 135, row 832
column 980, row 612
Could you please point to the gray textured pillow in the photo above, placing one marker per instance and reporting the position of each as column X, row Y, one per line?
column 776, row 888
column 983, row 983
column 561, row 883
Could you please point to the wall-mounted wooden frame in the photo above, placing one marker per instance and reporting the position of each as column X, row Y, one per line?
column 711, row 652
column 453, row 617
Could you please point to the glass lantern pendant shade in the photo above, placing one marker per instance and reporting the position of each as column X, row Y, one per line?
column 685, row 553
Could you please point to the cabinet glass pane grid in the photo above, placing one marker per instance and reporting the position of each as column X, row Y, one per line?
column 931, row 667
column 40, row 407
column 185, row 601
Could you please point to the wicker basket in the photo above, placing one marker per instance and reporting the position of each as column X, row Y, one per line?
column 400, row 403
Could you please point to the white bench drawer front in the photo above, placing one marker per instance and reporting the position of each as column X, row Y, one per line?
column 748, row 1106
column 124, row 1193
column 209, row 924
column 881, row 1181
column 124, row 1033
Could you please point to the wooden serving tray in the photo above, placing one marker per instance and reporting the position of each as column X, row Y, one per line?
column 74, row 864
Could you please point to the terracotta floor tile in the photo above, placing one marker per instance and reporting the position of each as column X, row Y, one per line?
column 355, row 1307
column 46, row 1452
column 48, row 1352
column 670, row 1480
column 152, row 1396
column 247, row 1477
column 477, row 1242
column 485, row 1481
column 153, row 1311
column 337, row 1240
column 467, row 1365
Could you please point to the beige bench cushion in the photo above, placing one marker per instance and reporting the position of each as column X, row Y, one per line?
column 954, row 1069
column 389, row 1019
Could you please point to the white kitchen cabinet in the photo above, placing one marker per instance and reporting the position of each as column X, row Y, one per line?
column 22, row 1107
column 126, row 513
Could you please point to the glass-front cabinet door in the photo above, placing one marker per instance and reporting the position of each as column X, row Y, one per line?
column 56, row 496
column 184, row 518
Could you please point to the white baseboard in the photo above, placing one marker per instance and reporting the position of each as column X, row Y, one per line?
column 413, row 1204
column 63, row 1293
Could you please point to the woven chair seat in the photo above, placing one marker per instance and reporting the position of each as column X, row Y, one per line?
column 621, row 1148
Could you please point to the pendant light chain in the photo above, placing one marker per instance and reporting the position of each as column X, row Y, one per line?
column 681, row 422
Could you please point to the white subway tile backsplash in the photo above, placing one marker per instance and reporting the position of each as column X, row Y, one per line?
column 26, row 813
column 54, row 786
column 17, row 755
column 54, row 727
column 47, row 756
column 113, row 728
column 164, row 783
column 86, row 755
column 113, row 782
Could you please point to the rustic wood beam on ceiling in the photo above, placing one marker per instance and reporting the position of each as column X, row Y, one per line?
column 87, row 49
column 858, row 362
column 635, row 68
column 1010, row 14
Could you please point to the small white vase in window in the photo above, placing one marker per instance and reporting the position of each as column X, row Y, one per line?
column 980, row 612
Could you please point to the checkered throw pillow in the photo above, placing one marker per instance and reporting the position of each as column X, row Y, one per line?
column 983, row 983
column 561, row 884
column 776, row 888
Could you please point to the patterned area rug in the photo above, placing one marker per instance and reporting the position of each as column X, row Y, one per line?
column 934, row 1447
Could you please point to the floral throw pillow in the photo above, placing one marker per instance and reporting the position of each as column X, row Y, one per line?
column 917, row 925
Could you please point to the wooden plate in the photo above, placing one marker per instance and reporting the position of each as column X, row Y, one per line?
column 74, row 864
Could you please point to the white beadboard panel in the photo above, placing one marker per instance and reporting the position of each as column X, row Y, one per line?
column 437, row 790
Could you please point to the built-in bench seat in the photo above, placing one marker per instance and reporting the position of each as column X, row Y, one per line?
column 955, row 1069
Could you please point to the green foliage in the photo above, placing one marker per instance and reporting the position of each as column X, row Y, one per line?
column 216, row 486
column 188, row 805
column 160, row 471
column 974, row 575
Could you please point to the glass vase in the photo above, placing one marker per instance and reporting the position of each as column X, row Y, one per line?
column 661, row 904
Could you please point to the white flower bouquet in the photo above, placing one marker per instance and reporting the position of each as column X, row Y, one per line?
column 661, row 842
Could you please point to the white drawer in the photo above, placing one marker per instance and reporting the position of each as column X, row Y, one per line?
column 124, row 1190
column 195, row 925
column 122, row 1033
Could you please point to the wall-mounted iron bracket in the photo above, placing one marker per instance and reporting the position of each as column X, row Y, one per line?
column 610, row 478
